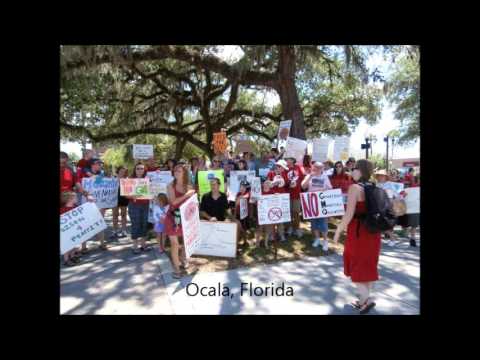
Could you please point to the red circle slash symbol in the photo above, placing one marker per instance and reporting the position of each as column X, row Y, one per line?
column 274, row 214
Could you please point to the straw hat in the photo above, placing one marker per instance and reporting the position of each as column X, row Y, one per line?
column 381, row 172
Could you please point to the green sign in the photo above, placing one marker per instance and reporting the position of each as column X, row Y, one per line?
column 204, row 178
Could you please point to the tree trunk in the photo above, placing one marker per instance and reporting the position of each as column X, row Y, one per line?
column 179, row 146
column 287, row 92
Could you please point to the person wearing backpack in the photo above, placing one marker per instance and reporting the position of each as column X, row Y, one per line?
column 362, row 246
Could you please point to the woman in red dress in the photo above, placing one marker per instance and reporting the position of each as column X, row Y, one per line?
column 179, row 191
column 362, row 248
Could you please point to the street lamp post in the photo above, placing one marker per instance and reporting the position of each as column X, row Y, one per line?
column 366, row 146
column 386, row 139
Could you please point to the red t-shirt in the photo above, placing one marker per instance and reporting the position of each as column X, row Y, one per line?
column 269, row 192
column 408, row 180
column 67, row 179
column 295, row 173
column 342, row 181
column 155, row 168
column 276, row 189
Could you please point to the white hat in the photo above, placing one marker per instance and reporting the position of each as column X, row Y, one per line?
column 282, row 163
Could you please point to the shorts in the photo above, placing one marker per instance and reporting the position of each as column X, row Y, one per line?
column 122, row 201
column 320, row 224
column 408, row 220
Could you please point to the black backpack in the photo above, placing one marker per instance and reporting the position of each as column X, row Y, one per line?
column 379, row 216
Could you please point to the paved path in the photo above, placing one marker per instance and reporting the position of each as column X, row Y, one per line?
column 118, row 282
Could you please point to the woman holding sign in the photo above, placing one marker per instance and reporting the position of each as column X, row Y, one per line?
column 318, row 181
column 362, row 248
column 138, row 212
column 179, row 191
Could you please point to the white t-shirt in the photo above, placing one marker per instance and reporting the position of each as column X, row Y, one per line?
column 319, row 183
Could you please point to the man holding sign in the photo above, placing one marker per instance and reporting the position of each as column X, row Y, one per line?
column 318, row 181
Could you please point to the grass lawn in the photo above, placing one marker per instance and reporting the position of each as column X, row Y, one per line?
column 293, row 249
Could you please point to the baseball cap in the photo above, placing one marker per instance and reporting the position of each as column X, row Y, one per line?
column 94, row 161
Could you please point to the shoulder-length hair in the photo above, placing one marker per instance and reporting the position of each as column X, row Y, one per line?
column 366, row 169
column 335, row 168
column 134, row 173
column 185, row 177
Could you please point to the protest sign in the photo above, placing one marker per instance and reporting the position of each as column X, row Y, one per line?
column 190, row 217
column 244, row 146
column 78, row 225
column 283, row 132
column 136, row 187
column 341, row 148
column 255, row 188
column 217, row 238
column 142, row 152
column 296, row 148
column 103, row 190
column 320, row 149
column 204, row 178
column 321, row 204
column 220, row 142
column 273, row 209
column 243, row 208
column 263, row 172
column 393, row 189
column 236, row 177
column 159, row 181
column 412, row 200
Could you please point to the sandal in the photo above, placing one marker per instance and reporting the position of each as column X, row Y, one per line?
column 146, row 248
column 366, row 307
column 136, row 251
column 356, row 304
column 103, row 247
column 84, row 251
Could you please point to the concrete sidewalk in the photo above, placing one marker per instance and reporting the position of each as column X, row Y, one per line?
column 118, row 282
column 319, row 286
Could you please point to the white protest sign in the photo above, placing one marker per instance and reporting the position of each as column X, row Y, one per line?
column 80, row 224
column 243, row 208
column 190, row 217
column 263, row 172
column 393, row 189
column 273, row 209
column 321, row 204
column 341, row 148
column 320, row 149
column 103, row 190
column 412, row 200
column 296, row 148
column 283, row 132
column 141, row 151
column 217, row 238
column 159, row 181
column 255, row 188
column 236, row 177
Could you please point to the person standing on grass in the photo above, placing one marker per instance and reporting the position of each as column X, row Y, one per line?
column 295, row 177
column 138, row 213
column 179, row 191
column 318, row 181
column 121, row 208
column 362, row 248
column 264, row 229
column 160, row 210
column 278, row 182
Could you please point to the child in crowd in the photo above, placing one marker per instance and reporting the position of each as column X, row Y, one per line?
column 243, row 195
column 68, row 202
column 159, row 213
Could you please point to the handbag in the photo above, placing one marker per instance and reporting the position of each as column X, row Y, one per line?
column 399, row 207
